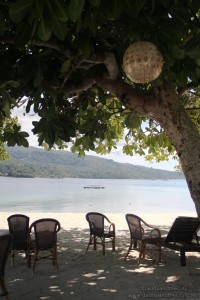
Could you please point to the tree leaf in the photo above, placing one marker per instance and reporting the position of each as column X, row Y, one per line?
column 132, row 121
column 95, row 3
column 37, row 9
column 23, row 31
column 6, row 108
column 112, row 8
column 193, row 53
column 24, row 142
column 19, row 9
column 12, row 83
column 134, row 8
column 75, row 9
column 177, row 52
column 59, row 29
column 66, row 65
column 44, row 30
column 60, row 9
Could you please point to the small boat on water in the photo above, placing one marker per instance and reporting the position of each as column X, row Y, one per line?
column 94, row 187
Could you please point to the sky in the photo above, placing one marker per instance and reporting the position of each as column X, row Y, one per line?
column 116, row 154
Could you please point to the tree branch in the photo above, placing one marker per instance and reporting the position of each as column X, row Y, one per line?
column 111, row 66
column 72, row 87
column 131, row 98
column 107, row 59
column 65, row 52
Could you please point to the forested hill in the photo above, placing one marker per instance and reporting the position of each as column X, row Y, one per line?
column 34, row 162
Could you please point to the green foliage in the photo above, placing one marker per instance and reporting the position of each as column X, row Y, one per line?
column 50, row 48
column 19, row 10
column 13, row 136
column 149, row 141
column 10, row 133
column 75, row 9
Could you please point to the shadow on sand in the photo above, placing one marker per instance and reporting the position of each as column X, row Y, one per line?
column 93, row 276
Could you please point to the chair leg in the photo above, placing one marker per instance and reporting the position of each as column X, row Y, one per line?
column 113, row 244
column 95, row 243
column 182, row 258
column 159, row 253
column 142, row 252
column 12, row 258
column 103, row 244
column 54, row 257
column 4, row 289
column 89, row 243
column 35, row 259
column 129, row 249
column 29, row 260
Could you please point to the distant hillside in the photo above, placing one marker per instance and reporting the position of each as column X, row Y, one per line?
column 34, row 162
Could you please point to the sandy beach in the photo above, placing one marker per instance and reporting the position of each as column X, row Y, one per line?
column 94, row 276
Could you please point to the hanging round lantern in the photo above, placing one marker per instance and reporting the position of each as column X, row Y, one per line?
column 142, row 62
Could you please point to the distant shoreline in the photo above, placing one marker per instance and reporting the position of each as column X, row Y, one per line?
column 29, row 177
column 34, row 162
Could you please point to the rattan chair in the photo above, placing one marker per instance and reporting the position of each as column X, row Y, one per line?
column 102, row 230
column 5, row 247
column 43, row 237
column 142, row 234
column 18, row 226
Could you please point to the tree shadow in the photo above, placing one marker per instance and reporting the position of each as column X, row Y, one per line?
column 96, row 277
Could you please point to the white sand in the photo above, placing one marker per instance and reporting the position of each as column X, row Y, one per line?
column 77, row 220
column 93, row 276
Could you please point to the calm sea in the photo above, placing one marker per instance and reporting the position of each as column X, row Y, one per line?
column 117, row 196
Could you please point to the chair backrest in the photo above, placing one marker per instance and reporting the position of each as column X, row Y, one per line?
column 45, row 231
column 96, row 222
column 183, row 230
column 18, row 226
column 134, row 224
column 5, row 246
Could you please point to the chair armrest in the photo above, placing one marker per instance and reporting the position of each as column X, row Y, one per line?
column 112, row 227
column 197, row 238
column 143, row 231
column 58, row 227
column 155, row 233
column 148, row 225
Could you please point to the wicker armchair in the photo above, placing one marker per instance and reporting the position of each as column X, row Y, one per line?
column 142, row 234
column 43, row 237
column 102, row 230
column 18, row 225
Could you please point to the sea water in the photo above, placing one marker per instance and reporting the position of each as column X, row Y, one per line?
column 114, row 196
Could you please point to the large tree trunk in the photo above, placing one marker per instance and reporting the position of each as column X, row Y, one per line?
column 172, row 116
column 165, row 106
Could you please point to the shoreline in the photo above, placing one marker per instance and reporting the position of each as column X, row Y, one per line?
column 77, row 220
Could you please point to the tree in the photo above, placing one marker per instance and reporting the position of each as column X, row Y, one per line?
column 9, row 129
column 64, row 59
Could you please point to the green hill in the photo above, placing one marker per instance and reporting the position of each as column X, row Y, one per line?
column 35, row 162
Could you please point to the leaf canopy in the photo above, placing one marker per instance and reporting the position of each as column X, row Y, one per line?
column 50, row 48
